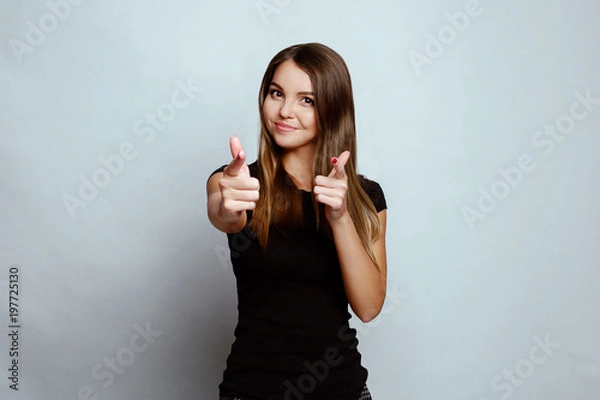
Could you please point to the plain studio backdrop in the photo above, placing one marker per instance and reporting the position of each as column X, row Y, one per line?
column 480, row 120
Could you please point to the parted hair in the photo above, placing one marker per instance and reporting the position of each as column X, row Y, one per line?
column 279, row 205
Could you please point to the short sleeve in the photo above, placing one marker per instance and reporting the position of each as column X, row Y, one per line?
column 375, row 193
column 220, row 169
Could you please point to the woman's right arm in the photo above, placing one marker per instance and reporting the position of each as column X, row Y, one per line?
column 215, row 208
column 231, row 192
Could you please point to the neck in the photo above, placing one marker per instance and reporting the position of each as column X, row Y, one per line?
column 298, row 164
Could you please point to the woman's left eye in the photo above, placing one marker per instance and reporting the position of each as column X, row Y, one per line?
column 308, row 100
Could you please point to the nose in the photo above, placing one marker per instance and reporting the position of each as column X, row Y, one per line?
column 287, row 109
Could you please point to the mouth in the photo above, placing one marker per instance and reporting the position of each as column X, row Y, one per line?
column 281, row 127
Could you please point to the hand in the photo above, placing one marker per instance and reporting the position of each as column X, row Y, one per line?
column 332, row 190
column 239, row 191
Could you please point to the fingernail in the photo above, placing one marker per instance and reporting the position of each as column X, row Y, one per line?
column 334, row 160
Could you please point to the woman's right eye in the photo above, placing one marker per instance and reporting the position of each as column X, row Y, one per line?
column 276, row 93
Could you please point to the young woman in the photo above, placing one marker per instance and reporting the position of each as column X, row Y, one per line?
column 306, row 234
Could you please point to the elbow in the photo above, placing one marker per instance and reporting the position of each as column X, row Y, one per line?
column 366, row 318
column 370, row 307
column 369, row 315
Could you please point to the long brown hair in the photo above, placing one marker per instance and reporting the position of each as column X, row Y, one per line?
column 280, row 205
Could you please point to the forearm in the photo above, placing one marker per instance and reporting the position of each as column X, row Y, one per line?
column 364, row 283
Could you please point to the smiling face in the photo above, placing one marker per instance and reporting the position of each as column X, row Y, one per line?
column 289, row 108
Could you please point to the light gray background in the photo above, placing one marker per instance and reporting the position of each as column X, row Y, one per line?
column 468, row 300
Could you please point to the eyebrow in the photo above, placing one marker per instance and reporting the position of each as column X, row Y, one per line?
column 278, row 86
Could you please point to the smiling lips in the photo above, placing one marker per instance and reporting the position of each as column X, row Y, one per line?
column 281, row 127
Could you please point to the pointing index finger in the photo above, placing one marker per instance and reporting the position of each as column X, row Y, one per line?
column 239, row 157
column 235, row 146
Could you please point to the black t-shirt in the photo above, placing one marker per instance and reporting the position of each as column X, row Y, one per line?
column 292, row 339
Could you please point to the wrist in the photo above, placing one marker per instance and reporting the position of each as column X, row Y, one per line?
column 231, row 220
column 343, row 221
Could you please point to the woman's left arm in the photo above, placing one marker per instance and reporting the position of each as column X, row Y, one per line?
column 364, row 281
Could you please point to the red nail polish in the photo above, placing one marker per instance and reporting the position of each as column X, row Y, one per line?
column 334, row 160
